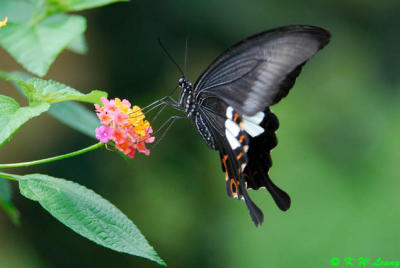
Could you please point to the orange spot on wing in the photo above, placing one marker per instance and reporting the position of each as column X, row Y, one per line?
column 241, row 138
column 235, row 117
column 224, row 160
column 233, row 187
column 239, row 156
column 224, row 164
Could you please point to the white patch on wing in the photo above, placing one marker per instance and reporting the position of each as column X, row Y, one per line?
column 256, row 119
column 229, row 112
column 232, row 127
column 243, row 166
column 233, row 142
column 245, row 148
column 251, row 124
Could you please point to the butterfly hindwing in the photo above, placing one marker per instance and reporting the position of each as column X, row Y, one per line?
column 232, row 142
column 259, row 161
column 234, row 161
column 244, row 144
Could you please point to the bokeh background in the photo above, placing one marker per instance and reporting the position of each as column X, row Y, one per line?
column 338, row 153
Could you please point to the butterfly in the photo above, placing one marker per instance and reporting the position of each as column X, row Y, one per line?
column 230, row 105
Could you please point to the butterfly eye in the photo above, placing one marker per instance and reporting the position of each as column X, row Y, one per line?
column 181, row 81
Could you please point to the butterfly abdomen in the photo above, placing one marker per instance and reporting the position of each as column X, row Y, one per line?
column 204, row 130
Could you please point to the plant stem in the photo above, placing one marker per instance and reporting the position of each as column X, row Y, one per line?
column 8, row 176
column 51, row 159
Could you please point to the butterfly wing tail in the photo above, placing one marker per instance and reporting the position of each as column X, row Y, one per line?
column 255, row 213
column 281, row 198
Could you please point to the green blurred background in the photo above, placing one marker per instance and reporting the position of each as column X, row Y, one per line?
column 337, row 156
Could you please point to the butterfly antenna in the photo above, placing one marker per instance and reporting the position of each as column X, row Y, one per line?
column 170, row 57
column 186, row 54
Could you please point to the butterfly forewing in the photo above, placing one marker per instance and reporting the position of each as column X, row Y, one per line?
column 251, row 74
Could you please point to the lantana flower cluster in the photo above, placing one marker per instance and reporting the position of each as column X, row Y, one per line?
column 125, row 125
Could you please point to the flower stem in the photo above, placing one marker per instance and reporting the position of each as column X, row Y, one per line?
column 54, row 158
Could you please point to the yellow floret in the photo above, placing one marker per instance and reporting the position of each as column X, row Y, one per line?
column 3, row 22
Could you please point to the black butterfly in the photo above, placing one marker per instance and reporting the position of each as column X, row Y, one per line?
column 229, row 105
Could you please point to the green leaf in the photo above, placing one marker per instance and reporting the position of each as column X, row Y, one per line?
column 39, row 90
column 59, row 6
column 68, row 112
column 87, row 213
column 16, row 10
column 5, row 201
column 12, row 116
column 36, row 46
column 79, row 45
column 15, row 75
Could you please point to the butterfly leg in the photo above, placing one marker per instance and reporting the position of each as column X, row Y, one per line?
column 167, row 125
column 165, row 102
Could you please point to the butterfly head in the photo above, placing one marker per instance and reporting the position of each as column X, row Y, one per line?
column 183, row 83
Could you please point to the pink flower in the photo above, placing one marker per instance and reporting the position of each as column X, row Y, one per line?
column 119, row 135
column 120, row 119
column 149, row 139
column 141, row 147
column 103, row 134
column 126, row 102
column 104, row 117
column 109, row 106
column 125, row 125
